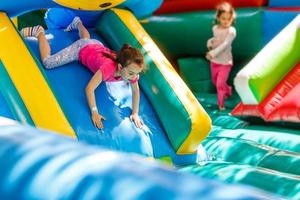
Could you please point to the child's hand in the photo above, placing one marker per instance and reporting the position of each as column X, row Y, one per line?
column 208, row 56
column 136, row 119
column 97, row 119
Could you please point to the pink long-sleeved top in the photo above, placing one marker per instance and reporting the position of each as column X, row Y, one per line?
column 220, row 45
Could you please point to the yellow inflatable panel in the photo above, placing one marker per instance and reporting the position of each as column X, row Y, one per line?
column 200, row 121
column 15, row 21
column 29, row 81
column 89, row 5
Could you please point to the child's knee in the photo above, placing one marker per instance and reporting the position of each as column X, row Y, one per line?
column 47, row 63
column 221, row 84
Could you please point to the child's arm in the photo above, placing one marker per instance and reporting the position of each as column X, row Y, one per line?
column 210, row 44
column 227, row 42
column 135, row 105
column 90, row 94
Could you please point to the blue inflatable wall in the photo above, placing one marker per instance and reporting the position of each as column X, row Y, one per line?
column 274, row 21
column 284, row 3
column 4, row 110
column 36, row 164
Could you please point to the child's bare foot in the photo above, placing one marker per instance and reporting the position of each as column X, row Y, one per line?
column 33, row 31
column 221, row 108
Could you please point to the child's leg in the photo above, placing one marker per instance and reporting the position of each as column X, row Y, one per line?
column 221, row 83
column 228, row 92
column 38, row 32
column 228, row 89
column 83, row 32
column 213, row 72
column 65, row 56
column 45, row 50
column 76, row 24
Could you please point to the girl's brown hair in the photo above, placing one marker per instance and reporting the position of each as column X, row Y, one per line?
column 225, row 7
column 127, row 55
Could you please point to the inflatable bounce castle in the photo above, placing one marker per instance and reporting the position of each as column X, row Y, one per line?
column 50, row 149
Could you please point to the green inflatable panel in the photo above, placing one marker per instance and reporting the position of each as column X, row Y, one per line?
column 277, row 64
column 270, row 65
column 32, row 19
column 251, row 153
column 194, row 68
column 196, row 73
column 283, row 184
column 186, row 34
column 12, row 97
column 229, row 122
column 209, row 101
column 284, row 139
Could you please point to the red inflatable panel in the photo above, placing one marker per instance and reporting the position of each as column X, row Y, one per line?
column 289, row 108
column 283, row 90
column 246, row 110
column 176, row 6
column 282, row 104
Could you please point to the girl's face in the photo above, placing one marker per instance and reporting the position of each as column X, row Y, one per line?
column 225, row 19
column 130, row 72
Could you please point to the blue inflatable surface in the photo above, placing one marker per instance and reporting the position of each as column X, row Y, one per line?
column 114, row 101
column 4, row 110
column 141, row 8
column 275, row 21
column 284, row 3
column 60, row 18
column 40, row 165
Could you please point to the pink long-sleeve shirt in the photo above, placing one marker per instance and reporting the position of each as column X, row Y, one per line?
column 93, row 58
column 221, row 45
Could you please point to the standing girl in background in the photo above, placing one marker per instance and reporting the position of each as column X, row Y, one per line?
column 103, row 62
column 219, row 53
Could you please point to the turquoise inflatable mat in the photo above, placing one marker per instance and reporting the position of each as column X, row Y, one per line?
column 279, row 135
column 248, row 152
column 282, row 184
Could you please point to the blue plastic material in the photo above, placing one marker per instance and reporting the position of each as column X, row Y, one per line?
column 142, row 8
column 284, row 3
column 275, row 21
column 114, row 101
column 4, row 108
column 18, row 7
column 40, row 165
column 60, row 18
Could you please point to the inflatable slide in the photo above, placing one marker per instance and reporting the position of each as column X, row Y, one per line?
column 175, row 123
